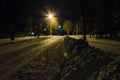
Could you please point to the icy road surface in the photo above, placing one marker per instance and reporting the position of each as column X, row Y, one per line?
column 106, row 45
column 14, row 55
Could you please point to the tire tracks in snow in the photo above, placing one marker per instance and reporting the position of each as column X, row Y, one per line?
column 10, row 59
column 42, row 64
column 10, row 67
column 17, row 48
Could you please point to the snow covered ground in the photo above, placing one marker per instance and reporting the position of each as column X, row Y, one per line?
column 106, row 45
column 6, row 40
column 56, row 58
column 111, row 46
column 14, row 55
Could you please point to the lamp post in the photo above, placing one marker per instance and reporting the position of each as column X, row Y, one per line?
column 50, row 16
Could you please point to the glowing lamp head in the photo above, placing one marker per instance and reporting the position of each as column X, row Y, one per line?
column 59, row 26
column 50, row 16
column 45, row 29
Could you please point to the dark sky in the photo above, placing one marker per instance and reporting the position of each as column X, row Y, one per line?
column 22, row 8
column 19, row 10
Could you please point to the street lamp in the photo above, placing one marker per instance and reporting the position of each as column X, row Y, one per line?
column 50, row 16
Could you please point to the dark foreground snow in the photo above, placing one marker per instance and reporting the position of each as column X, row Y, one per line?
column 69, row 59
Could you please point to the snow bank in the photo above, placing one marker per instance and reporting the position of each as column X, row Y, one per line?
column 85, row 60
column 111, row 71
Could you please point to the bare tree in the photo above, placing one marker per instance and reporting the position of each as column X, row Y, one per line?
column 67, row 26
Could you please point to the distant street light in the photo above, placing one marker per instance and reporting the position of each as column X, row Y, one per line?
column 59, row 26
column 59, row 30
column 45, row 29
column 50, row 16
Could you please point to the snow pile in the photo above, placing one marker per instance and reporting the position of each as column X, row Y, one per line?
column 108, row 72
column 71, row 59
column 85, row 60
column 70, row 43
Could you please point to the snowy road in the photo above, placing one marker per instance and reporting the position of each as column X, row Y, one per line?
column 106, row 45
column 14, row 55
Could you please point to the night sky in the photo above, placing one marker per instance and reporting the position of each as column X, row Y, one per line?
column 18, row 11
column 24, row 8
